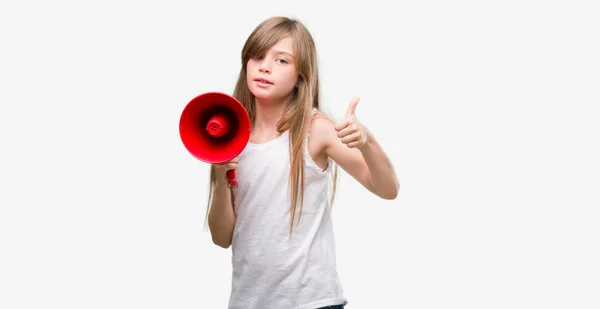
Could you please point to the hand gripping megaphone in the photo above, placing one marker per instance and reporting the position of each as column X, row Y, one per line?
column 214, row 128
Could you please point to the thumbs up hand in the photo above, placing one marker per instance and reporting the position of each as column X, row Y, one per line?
column 352, row 133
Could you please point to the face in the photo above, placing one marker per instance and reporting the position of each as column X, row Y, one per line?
column 272, row 76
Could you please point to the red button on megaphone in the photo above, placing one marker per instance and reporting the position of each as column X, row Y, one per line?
column 215, row 128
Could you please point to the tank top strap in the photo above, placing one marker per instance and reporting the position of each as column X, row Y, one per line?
column 315, row 112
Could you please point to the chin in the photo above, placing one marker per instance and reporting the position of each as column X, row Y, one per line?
column 261, row 94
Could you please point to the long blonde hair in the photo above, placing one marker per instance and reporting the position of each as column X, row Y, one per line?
column 298, row 111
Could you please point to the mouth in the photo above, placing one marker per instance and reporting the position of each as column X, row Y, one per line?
column 263, row 81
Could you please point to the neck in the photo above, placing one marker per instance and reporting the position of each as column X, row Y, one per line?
column 268, row 115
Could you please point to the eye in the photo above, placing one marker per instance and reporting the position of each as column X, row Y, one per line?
column 282, row 61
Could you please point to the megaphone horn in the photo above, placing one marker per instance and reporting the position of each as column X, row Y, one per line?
column 214, row 128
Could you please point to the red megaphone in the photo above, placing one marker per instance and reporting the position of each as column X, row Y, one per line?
column 215, row 128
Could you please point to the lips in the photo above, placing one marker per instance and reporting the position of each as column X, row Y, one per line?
column 263, row 80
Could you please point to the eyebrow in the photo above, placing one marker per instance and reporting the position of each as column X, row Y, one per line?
column 283, row 52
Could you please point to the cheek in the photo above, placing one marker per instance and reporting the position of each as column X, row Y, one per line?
column 248, row 69
column 292, row 82
column 249, row 75
column 250, row 66
column 291, row 77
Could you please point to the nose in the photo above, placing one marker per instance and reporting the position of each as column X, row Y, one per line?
column 264, row 66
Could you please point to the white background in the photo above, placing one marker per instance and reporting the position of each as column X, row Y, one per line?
column 487, row 110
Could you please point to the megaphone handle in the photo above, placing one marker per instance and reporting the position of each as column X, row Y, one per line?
column 232, row 177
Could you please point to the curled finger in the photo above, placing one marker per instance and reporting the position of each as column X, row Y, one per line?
column 351, row 138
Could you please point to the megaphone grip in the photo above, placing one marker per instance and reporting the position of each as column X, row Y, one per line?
column 232, row 177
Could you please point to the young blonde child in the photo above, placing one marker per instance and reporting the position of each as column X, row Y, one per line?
column 277, row 221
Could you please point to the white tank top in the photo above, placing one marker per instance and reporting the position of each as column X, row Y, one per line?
column 271, row 270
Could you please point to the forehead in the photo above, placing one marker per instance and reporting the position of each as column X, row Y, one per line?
column 285, row 45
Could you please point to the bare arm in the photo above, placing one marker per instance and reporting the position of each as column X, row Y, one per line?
column 382, row 176
column 221, row 218
column 354, row 148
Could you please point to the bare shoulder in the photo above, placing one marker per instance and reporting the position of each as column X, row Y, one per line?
column 322, row 135
column 322, row 130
